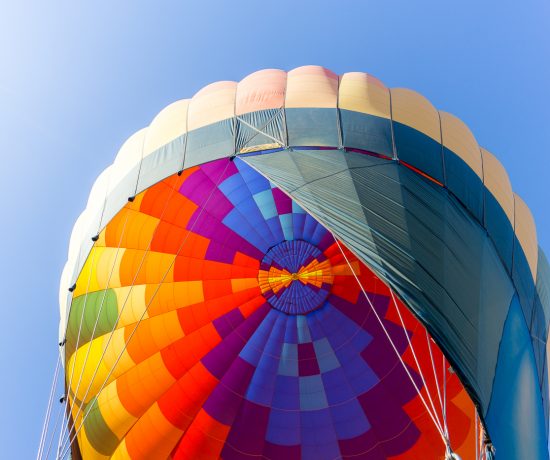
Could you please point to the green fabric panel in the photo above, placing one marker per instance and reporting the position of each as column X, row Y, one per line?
column 98, row 432
column 101, row 306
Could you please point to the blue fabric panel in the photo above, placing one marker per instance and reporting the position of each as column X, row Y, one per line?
column 312, row 127
column 366, row 132
column 210, row 143
column 270, row 122
column 419, row 150
column 464, row 183
column 523, row 280
column 515, row 419
column 500, row 229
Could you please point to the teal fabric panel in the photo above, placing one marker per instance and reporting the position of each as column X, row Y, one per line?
column 312, row 127
column 419, row 150
column 500, row 229
column 523, row 280
column 366, row 132
column 162, row 163
column 210, row 143
column 515, row 418
column 539, row 328
column 464, row 183
column 415, row 235
column 270, row 123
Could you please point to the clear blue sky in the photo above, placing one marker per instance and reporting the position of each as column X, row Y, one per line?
column 77, row 78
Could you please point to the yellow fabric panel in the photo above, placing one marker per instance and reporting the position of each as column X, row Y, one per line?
column 498, row 183
column 87, row 451
column 169, row 124
column 311, row 86
column 260, row 91
column 412, row 109
column 526, row 232
column 458, row 138
column 96, row 274
column 82, row 367
column 121, row 452
column 114, row 351
column 91, row 372
column 115, row 415
column 87, row 280
column 131, row 304
column 364, row 93
column 213, row 103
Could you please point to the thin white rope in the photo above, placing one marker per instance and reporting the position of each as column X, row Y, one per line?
column 476, row 434
column 75, row 354
column 57, row 419
column 434, row 369
column 190, row 230
column 123, row 306
column 71, row 377
column 260, row 130
column 47, row 417
column 444, row 390
column 415, row 357
column 392, row 343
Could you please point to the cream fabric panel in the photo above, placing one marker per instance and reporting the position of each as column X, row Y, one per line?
column 412, row 109
column 129, row 155
column 311, row 86
column 526, row 232
column 170, row 123
column 213, row 103
column 458, row 138
column 260, row 91
column 361, row 92
column 498, row 183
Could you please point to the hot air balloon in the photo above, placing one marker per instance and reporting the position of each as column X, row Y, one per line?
column 304, row 265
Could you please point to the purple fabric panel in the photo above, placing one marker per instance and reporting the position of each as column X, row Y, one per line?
column 227, row 323
column 247, row 432
column 282, row 201
column 307, row 360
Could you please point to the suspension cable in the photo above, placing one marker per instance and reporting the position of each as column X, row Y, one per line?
column 77, row 431
column 415, row 357
column 98, row 314
column 47, row 417
column 435, row 422
column 121, row 310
